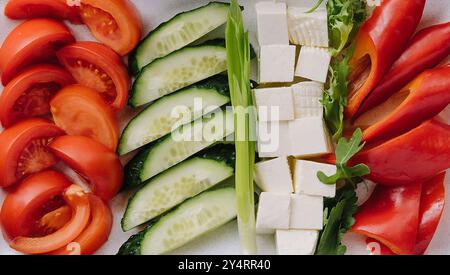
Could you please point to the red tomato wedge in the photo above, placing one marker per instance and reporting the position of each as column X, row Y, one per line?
column 115, row 23
column 391, row 216
column 91, row 159
column 29, row 94
column 95, row 234
column 78, row 201
column 58, row 9
column 34, row 41
column 29, row 201
column 80, row 111
column 24, row 150
column 98, row 67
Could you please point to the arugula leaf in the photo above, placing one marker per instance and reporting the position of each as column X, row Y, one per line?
column 345, row 150
column 338, row 219
column 344, row 19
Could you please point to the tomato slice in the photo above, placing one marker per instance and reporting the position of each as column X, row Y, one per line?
column 29, row 201
column 91, row 159
column 24, row 150
column 80, row 111
column 29, row 94
column 96, row 232
column 115, row 23
column 34, row 41
column 26, row 9
column 79, row 203
column 98, row 67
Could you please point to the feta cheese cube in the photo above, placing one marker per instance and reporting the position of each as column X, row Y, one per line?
column 306, row 212
column 273, row 139
column 313, row 63
column 307, row 96
column 276, row 64
column 306, row 181
column 272, row 23
column 308, row 29
column 274, row 104
column 274, row 176
column 296, row 242
column 273, row 212
column 309, row 137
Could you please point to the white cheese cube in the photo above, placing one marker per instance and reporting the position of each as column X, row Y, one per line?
column 306, row 181
column 307, row 96
column 274, row 176
column 309, row 137
column 277, row 64
column 274, row 104
column 273, row 212
column 313, row 63
column 306, row 212
column 308, row 29
column 296, row 242
column 272, row 23
column 273, row 139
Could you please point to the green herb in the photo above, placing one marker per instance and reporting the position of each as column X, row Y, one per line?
column 334, row 98
column 345, row 150
column 338, row 219
column 313, row 9
column 238, row 58
column 344, row 19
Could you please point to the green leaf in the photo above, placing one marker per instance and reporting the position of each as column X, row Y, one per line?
column 338, row 221
column 345, row 150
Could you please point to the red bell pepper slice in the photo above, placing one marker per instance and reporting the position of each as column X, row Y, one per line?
column 391, row 216
column 426, row 50
column 421, row 100
column 411, row 157
column 431, row 207
column 432, row 200
column 380, row 41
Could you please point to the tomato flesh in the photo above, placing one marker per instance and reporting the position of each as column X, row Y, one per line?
column 101, row 21
column 94, row 77
column 34, row 102
column 35, row 157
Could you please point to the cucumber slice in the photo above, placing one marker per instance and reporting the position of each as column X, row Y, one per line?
column 194, row 218
column 168, row 151
column 161, row 117
column 178, row 32
column 179, row 183
column 178, row 70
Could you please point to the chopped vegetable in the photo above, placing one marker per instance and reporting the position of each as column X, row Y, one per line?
column 345, row 150
column 338, row 219
column 344, row 19
column 238, row 59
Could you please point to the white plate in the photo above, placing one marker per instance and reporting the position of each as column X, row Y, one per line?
column 225, row 240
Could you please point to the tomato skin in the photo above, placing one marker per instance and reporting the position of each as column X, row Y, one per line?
column 79, row 110
column 106, row 60
column 26, row 9
column 91, row 159
column 125, row 31
column 79, row 202
column 49, row 78
column 13, row 141
column 95, row 234
column 33, row 41
column 24, row 199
